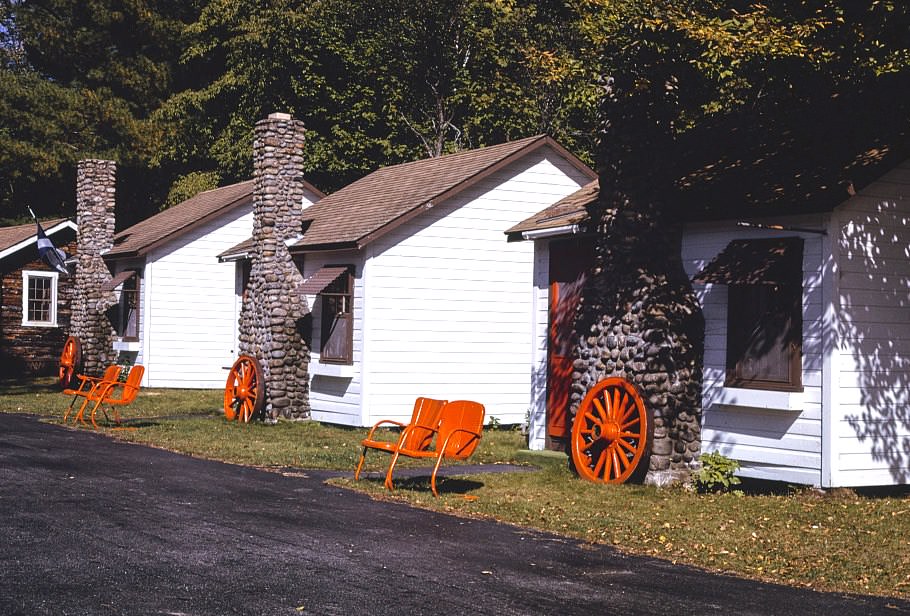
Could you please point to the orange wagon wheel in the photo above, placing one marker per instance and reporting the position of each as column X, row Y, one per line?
column 70, row 362
column 244, row 393
column 612, row 431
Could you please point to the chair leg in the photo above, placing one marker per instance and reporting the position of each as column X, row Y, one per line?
column 363, row 455
column 70, row 409
column 388, row 475
column 95, row 410
column 433, row 476
column 80, row 416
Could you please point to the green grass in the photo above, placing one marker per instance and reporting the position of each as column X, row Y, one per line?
column 842, row 540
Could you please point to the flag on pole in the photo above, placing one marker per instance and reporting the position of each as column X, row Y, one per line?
column 49, row 253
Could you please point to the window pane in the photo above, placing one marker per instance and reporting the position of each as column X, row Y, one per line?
column 337, row 321
column 39, row 301
column 336, row 345
column 764, row 334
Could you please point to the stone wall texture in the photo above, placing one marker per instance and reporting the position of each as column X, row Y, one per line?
column 273, row 311
column 641, row 321
column 95, row 196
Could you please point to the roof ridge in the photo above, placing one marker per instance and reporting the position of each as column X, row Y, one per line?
column 472, row 151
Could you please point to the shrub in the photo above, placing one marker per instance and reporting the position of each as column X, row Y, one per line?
column 717, row 473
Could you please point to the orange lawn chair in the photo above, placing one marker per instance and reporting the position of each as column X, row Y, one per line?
column 87, row 383
column 457, row 435
column 416, row 435
column 113, row 394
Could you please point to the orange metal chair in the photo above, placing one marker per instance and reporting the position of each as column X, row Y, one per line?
column 87, row 384
column 417, row 435
column 113, row 394
column 457, row 435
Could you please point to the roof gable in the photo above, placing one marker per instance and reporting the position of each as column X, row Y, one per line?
column 368, row 208
column 13, row 239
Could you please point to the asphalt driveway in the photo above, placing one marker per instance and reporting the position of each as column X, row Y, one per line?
column 95, row 526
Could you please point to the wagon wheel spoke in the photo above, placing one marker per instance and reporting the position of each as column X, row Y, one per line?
column 603, row 413
column 611, row 433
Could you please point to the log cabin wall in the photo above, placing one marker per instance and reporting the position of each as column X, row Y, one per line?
column 28, row 350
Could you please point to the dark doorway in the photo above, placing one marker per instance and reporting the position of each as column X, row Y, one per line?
column 570, row 261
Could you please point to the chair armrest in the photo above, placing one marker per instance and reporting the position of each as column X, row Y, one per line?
column 84, row 380
column 381, row 423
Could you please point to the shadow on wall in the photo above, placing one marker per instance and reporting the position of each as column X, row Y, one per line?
column 875, row 317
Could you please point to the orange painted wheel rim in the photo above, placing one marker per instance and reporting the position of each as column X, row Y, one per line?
column 244, row 393
column 611, row 434
column 70, row 359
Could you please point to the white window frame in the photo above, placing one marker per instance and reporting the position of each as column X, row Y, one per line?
column 26, row 275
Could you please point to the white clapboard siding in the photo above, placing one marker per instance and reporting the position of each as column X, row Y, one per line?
column 337, row 398
column 448, row 309
column 190, row 313
column 872, row 429
column 785, row 445
column 540, row 303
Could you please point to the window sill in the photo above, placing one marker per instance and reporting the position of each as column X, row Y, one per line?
column 760, row 399
column 127, row 345
column 38, row 324
column 344, row 371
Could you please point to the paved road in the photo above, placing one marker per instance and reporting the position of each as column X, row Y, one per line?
column 94, row 526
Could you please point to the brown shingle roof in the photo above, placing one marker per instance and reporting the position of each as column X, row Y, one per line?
column 567, row 211
column 10, row 236
column 141, row 237
column 366, row 209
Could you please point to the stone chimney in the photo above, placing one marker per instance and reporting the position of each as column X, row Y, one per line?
column 95, row 193
column 273, row 307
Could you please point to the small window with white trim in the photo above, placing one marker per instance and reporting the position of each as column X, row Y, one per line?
column 39, row 298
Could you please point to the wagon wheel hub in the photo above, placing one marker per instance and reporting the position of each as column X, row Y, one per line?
column 609, row 431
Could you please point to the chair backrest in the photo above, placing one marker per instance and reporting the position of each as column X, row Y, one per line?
column 111, row 373
column 131, row 386
column 460, row 414
column 423, row 424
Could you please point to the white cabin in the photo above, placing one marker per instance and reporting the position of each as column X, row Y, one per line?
column 178, row 311
column 833, row 408
column 414, row 293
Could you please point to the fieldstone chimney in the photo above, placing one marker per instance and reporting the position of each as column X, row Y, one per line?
column 95, row 198
column 271, row 328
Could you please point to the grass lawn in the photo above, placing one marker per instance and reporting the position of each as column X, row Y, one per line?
column 841, row 540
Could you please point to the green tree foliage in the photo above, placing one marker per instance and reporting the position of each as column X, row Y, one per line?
column 375, row 82
column 174, row 87
column 79, row 80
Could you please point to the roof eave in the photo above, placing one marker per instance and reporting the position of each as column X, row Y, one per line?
column 323, row 247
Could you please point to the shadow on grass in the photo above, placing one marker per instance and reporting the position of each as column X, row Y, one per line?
column 445, row 485
column 763, row 487
column 12, row 387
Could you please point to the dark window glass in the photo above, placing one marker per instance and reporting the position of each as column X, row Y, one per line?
column 764, row 336
column 337, row 328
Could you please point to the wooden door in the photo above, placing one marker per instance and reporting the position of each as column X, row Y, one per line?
column 570, row 261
